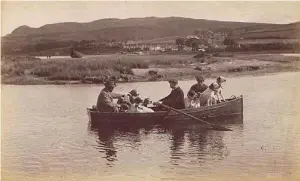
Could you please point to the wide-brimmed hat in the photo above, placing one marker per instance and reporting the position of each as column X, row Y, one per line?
column 175, row 81
column 110, row 83
column 134, row 92
column 221, row 79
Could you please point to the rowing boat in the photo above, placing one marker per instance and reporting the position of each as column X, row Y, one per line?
column 231, row 107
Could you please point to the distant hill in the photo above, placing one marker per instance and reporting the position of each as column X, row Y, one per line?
column 139, row 29
column 122, row 29
column 282, row 31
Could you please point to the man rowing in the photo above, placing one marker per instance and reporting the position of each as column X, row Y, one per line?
column 176, row 98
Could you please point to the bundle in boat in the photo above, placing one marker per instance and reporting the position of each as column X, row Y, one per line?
column 76, row 54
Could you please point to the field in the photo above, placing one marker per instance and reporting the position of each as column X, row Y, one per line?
column 128, row 68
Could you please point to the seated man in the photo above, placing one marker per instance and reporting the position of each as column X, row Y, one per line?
column 105, row 99
column 138, row 107
column 176, row 98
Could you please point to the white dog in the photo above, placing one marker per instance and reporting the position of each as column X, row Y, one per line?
column 209, row 95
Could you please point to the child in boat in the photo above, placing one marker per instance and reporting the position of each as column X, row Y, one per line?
column 138, row 107
column 192, row 100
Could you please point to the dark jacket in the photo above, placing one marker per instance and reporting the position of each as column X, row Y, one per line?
column 175, row 99
column 199, row 88
column 105, row 101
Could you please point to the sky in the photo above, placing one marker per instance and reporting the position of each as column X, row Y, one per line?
column 39, row 13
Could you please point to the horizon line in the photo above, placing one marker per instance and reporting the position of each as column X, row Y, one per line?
column 153, row 17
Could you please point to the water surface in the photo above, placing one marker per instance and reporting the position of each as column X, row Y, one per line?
column 46, row 135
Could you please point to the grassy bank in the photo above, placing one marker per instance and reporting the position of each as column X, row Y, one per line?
column 128, row 68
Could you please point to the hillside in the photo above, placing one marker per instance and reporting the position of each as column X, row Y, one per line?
column 139, row 29
column 121, row 29
column 285, row 31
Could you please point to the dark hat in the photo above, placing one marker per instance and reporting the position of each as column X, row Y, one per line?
column 110, row 83
column 199, row 78
column 175, row 81
column 134, row 93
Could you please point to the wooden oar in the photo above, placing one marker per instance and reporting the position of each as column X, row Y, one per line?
column 216, row 127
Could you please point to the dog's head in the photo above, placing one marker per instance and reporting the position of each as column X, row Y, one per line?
column 147, row 101
column 221, row 79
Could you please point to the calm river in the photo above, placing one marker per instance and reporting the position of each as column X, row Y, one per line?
column 46, row 136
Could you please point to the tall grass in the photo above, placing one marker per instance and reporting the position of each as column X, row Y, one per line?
column 97, row 66
column 69, row 69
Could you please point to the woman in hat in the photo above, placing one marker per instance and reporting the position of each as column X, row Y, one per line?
column 200, row 86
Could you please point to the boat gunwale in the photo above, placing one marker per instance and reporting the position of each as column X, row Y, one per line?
column 161, row 113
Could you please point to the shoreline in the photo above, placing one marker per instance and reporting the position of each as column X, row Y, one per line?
column 180, row 78
column 149, row 68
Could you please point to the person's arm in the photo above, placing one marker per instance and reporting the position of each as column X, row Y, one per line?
column 166, row 98
column 116, row 95
column 177, row 98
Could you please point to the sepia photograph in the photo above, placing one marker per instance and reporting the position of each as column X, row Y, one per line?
column 150, row 90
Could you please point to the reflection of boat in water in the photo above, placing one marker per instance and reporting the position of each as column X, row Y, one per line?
column 232, row 107
column 185, row 141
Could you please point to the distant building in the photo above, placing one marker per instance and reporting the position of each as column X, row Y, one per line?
column 16, row 49
column 192, row 36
